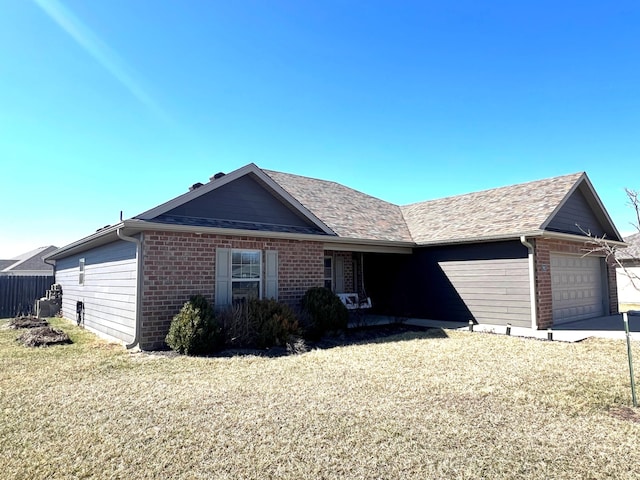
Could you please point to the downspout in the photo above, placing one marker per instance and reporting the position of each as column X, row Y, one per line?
column 53, row 265
column 532, row 281
column 139, row 277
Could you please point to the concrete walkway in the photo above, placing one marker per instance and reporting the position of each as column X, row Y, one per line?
column 611, row 326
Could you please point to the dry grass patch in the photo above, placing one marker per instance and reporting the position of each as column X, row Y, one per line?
column 419, row 405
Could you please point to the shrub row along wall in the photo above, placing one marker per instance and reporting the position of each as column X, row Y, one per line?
column 177, row 265
column 19, row 293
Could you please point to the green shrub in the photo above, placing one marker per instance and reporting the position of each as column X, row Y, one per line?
column 273, row 323
column 324, row 313
column 194, row 330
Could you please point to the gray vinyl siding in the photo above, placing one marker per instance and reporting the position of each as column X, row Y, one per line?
column 244, row 199
column 576, row 216
column 493, row 291
column 108, row 292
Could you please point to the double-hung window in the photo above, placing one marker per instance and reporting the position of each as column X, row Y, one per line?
column 246, row 274
column 243, row 274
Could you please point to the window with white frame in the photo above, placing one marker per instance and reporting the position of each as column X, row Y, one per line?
column 81, row 272
column 328, row 273
column 246, row 274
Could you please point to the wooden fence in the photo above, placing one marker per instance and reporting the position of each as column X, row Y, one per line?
column 18, row 294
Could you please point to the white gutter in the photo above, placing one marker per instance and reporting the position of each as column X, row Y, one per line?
column 80, row 245
column 580, row 238
column 479, row 239
column 139, row 278
column 532, row 281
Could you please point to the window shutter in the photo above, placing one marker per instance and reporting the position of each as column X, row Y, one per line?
column 271, row 274
column 223, row 277
column 339, row 262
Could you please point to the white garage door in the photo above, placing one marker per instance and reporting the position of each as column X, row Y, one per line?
column 576, row 283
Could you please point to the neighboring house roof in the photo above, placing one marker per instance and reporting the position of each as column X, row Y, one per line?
column 347, row 212
column 6, row 263
column 633, row 249
column 29, row 262
column 283, row 204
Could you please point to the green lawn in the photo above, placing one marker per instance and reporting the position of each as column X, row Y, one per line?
column 420, row 405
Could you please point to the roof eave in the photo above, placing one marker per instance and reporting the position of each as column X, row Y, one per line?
column 480, row 239
column 135, row 225
column 582, row 238
column 97, row 238
column 516, row 236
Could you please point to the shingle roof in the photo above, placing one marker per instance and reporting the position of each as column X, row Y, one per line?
column 500, row 212
column 633, row 250
column 497, row 213
column 348, row 212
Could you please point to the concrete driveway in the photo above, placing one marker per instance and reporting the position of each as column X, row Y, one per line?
column 610, row 326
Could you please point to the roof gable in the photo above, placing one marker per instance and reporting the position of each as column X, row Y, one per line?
column 581, row 213
column 244, row 199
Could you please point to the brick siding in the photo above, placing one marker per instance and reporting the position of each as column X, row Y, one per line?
column 177, row 265
column 543, row 249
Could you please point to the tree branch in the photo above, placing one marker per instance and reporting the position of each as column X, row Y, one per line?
column 602, row 246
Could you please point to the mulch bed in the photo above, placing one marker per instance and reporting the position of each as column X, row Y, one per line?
column 43, row 337
column 368, row 334
column 28, row 322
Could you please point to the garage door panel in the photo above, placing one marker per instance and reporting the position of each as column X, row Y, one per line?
column 576, row 284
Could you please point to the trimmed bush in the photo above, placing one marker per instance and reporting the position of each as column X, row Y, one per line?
column 324, row 313
column 273, row 323
column 194, row 330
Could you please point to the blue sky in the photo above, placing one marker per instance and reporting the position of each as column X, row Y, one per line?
column 110, row 105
